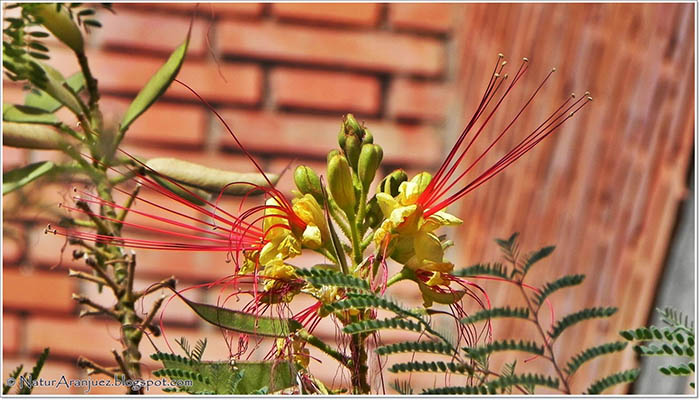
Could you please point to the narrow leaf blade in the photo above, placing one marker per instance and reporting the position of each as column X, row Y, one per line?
column 15, row 179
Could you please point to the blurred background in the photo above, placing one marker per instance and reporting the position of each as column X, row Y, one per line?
column 610, row 189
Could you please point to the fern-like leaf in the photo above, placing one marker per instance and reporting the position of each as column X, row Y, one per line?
column 508, row 370
column 495, row 269
column 551, row 287
column 498, row 312
column 504, row 345
column 673, row 317
column 534, row 257
column 377, row 324
column 26, row 389
column 525, row 379
column 320, row 277
column 611, row 380
column 198, row 350
column 14, row 375
column 432, row 366
column 466, row 390
column 588, row 313
column 416, row 347
column 678, row 370
column 402, row 387
column 591, row 353
column 509, row 247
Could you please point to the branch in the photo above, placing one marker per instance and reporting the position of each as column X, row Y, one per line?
column 92, row 367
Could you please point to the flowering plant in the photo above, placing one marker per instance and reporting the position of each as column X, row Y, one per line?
column 359, row 227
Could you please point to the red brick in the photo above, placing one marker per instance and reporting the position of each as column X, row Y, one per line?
column 301, row 135
column 162, row 123
column 375, row 51
column 116, row 73
column 433, row 17
column 204, row 9
column 325, row 90
column 420, row 100
column 13, row 157
column 12, row 243
column 149, row 32
column 357, row 14
column 37, row 290
column 10, row 333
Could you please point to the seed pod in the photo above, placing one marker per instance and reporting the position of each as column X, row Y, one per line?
column 370, row 158
column 308, row 182
column 210, row 179
column 60, row 24
column 390, row 184
column 340, row 183
column 31, row 136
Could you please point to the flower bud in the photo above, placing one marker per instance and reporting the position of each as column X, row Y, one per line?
column 60, row 24
column 374, row 215
column 341, row 136
column 353, row 147
column 340, row 182
column 390, row 184
column 367, row 137
column 370, row 158
column 308, row 182
column 351, row 126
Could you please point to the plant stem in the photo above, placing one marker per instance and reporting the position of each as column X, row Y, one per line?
column 547, row 343
column 358, row 374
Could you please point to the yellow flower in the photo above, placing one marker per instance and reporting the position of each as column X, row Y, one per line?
column 277, row 271
column 416, row 246
column 316, row 232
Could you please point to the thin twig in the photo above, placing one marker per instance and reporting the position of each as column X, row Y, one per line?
column 85, row 301
column 92, row 367
column 82, row 275
column 120, row 362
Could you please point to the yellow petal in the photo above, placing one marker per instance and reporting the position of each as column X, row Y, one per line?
column 439, row 219
column 428, row 247
column 386, row 203
column 311, row 237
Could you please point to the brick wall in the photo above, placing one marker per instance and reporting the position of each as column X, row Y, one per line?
column 284, row 74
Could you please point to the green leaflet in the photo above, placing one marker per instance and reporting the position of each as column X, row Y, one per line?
column 156, row 86
column 329, row 277
column 551, row 287
column 588, row 313
column 243, row 322
column 377, row 324
column 15, row 179
column 416, row 347
column 591, row 353
column 495, row 269
column 497, row 312
column 535, row 257
column 504, row 345
column 42, row 100
column 28, row 114
column 225, row 377
column 611, row 380
column 432, row 366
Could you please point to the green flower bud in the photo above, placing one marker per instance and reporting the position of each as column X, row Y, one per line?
column 60, row 24
column 370, row 158
column 31, row 136
column 374, row 215
column 390, row 184
column 308, row 182
column 331, row 155
column 353, row 147
column 340, row 183
column 341, row 136
column 351, row 126
column 367, row 137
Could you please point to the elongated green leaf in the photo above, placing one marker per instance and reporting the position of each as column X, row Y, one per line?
column 56, row 89
column 15, row 179
column 156, row 86
column 588, row 313
column 611, row 380
column 31, row 136
column 17, row 113
column 210, row 179
column 243, row 322
column 591, row 353
column 40, row 99
column 226, row 377
column 498, row 312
